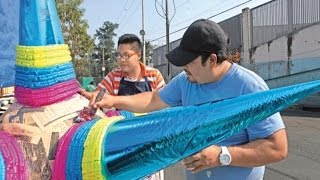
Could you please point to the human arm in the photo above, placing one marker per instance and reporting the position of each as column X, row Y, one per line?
column 106, row 83
column 255, row 153
column 159, row 83
column 169, row 95
column 142, row 102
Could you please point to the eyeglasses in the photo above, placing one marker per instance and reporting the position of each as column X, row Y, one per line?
column 125, row 56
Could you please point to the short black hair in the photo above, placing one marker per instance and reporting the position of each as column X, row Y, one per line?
column 130, row 39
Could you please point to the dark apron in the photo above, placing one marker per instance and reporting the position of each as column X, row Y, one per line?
column 130, row 88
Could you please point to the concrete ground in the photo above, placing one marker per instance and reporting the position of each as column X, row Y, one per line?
column 303, row 161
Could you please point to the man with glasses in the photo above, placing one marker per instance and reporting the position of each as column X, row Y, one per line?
column 209, row 77
column 131, row 77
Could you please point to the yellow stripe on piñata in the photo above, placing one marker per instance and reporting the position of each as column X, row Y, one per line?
column 140, row 114
column 41, row 49
column 43, row 63
column 91, row 160
column 42, row 56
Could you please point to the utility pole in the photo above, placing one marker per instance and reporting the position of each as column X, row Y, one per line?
column 167, row 39
column 103, row 67
column 142, row 33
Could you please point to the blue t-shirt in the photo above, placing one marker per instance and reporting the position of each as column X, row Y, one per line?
column 236, row 82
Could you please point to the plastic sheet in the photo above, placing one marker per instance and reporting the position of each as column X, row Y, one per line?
column 132, row 149
column 9, row 38
column 39, row 23
column 16, row 167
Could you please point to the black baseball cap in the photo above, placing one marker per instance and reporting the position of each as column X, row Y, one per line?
column 202, row 37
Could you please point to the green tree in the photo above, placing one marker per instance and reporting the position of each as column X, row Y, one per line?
column 105, row 47
column 149, row 51
column 74, row 29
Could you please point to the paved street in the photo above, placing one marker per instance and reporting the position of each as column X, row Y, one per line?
column 303, row 161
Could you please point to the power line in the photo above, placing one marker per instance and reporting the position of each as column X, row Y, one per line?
column 124, row 5
column 123, row 17
column 174, row 11
column 205, row 11
column 178, row 6
column 125, row 24
column 207, row 18
column 155, row 6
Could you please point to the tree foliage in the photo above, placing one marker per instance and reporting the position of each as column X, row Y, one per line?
column 105, row 47
column 149, row 51
column 74, row 29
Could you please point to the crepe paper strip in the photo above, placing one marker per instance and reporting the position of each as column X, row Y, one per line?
column 43, row 64
column 46, row 96
column 43, row 71
column 48, row 100
column 111, row 113
column 75, row 151
column 43, row 57
column 127, row 114
column 92, row 167
column 59, row 166
column 40, row 56
column 139, row 114
column 44, row 60
column 47, row 92
column 25, row 80
column 2, row 168
column 46, row 81
column 39, row 85
column 41, row 49
column 15, row 163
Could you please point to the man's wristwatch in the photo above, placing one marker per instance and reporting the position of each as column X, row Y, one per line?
column 225, row 157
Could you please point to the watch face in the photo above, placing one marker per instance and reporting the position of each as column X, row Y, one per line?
column 225, row 159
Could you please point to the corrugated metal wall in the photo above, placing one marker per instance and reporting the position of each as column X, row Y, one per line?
column 281, row 17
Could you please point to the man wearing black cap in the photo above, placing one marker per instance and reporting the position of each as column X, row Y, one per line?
column 208, row 77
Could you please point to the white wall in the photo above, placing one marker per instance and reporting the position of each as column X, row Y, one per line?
column 289, row 55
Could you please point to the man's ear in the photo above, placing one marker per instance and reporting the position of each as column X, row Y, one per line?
column 213, row 59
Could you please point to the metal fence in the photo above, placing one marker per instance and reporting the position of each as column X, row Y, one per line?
column 232, row 27
column 281, row 17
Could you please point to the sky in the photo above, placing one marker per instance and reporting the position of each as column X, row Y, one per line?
column 128, row 14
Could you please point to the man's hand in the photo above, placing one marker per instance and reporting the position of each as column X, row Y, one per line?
column 207, row 158
column 106, row 101
column 85, row 93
